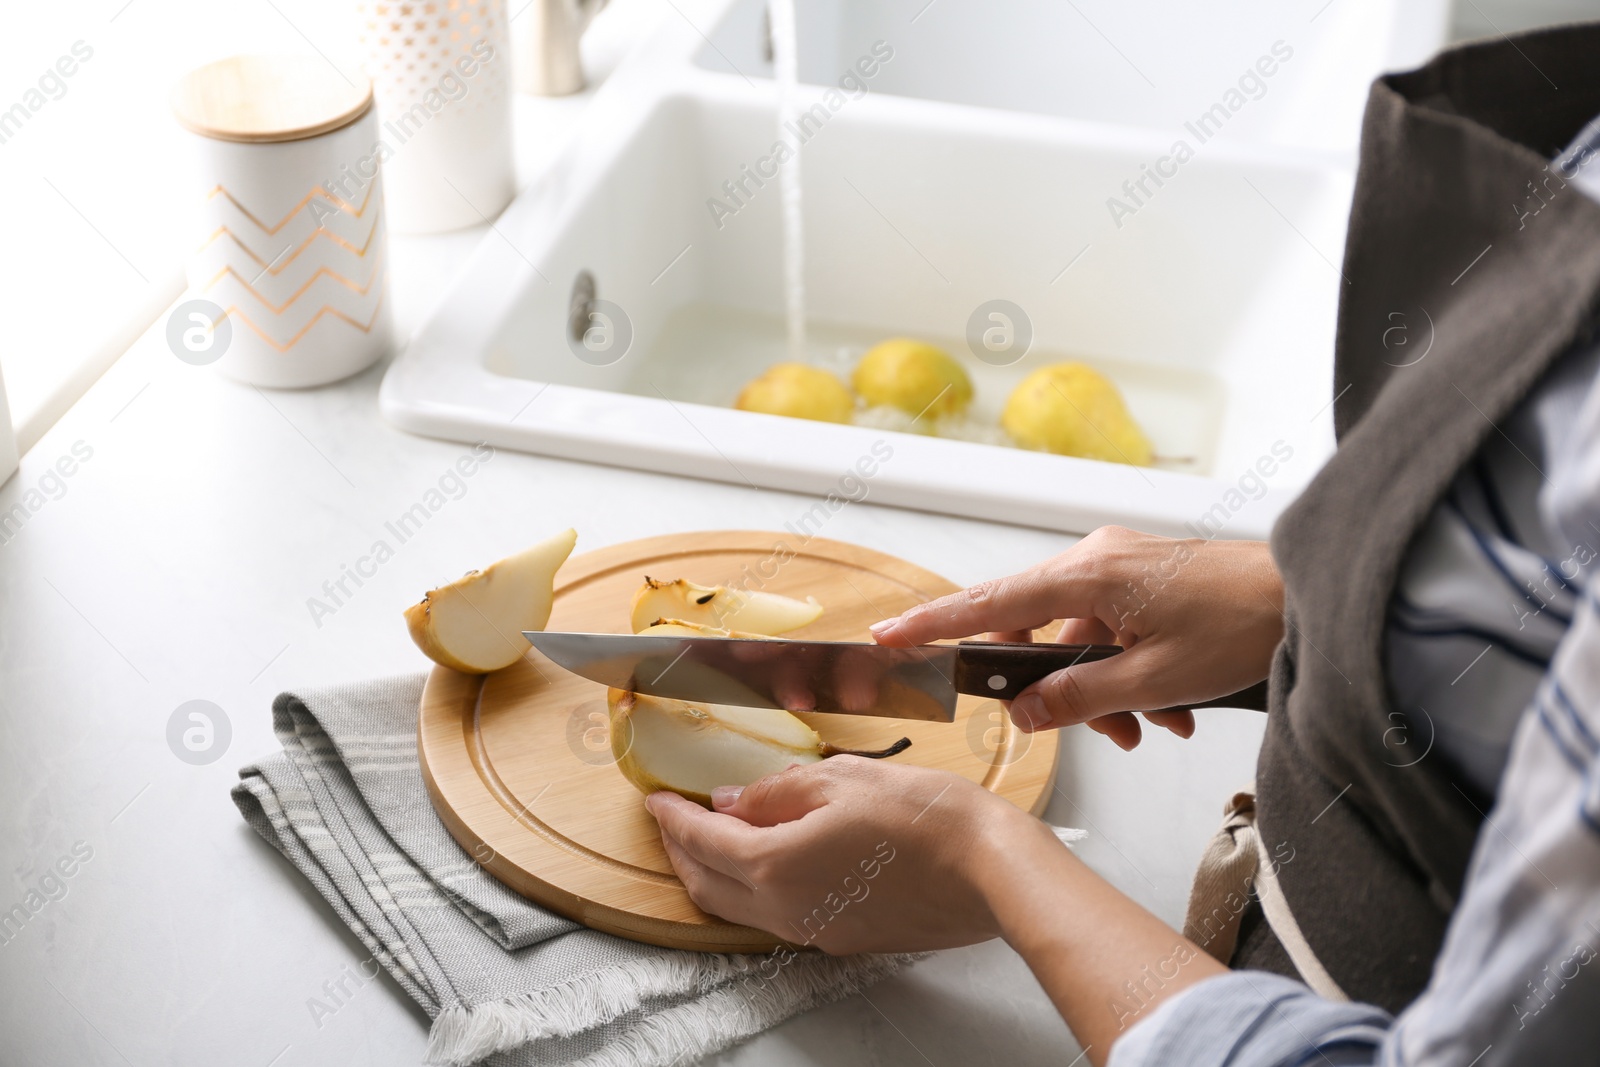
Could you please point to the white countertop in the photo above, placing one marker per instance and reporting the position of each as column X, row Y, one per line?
column 175, row 564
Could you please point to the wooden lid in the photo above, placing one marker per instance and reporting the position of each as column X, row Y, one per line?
column 264, row 99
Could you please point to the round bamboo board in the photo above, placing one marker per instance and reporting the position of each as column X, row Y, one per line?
column 518, row 763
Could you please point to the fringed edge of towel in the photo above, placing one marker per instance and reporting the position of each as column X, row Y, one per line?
column 752, row 1003
column 690, row 1032
column 466, row 1034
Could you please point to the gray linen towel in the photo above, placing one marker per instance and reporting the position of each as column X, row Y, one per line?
column 501, row 977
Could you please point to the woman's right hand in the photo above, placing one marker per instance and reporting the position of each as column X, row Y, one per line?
column 1199, row 619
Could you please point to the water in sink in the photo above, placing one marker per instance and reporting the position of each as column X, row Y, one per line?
column 705, row 353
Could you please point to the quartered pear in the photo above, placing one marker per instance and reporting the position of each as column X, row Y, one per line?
column 475, row 623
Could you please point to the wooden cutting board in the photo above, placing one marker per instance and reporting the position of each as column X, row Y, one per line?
column 518, row 763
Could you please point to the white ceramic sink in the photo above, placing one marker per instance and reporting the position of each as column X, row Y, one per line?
column 1211, row 304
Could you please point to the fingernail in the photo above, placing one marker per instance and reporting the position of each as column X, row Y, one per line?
column 1029, row 712
column 880, row 628
column 723, row 796
column 650, row 803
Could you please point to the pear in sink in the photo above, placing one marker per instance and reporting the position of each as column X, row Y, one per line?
column 799, row 391
column 917, row 378
column 1073, row 410
column 474, row 624
column 691, row 748
column 722, row 607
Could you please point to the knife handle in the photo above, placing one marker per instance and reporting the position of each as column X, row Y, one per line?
column 1002, row 669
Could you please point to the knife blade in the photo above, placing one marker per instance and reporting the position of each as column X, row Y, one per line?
column 839, row 677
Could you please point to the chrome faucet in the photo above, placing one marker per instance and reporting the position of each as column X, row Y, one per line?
column 547, row 60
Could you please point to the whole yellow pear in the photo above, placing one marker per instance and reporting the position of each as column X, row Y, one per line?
column 1073, row 410
column 799, row 391
column 917, row 378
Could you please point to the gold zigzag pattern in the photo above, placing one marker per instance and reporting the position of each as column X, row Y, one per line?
column 276, row 267
column 234, row 312
column 298, row 293
column 337, row 202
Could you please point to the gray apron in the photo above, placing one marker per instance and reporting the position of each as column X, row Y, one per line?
column 1444, row 228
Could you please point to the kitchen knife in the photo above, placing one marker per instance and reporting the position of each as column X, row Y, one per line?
column 842, row 677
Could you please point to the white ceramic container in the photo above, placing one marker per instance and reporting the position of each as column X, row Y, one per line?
column 290, row 259
column 441, row 71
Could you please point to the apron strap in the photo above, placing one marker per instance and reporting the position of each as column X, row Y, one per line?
column 1234, row 865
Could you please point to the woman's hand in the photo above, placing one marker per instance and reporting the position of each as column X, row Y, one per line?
column 853, row 855
column 847, row 855
column 1199, row 619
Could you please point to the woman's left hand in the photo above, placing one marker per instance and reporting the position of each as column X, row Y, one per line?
column 856, row 855
column 847, row 855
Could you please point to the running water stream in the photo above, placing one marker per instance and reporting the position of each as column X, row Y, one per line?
column 785, row 68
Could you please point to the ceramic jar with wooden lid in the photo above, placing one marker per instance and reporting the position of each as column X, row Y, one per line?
column 290, row 262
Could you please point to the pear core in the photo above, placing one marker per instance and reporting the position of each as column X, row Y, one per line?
column 720, row 606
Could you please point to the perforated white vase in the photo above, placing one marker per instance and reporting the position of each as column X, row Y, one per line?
column 442, row 74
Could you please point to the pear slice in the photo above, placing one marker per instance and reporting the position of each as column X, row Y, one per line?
column 734, row 609
column 474, row 624
column 691, row 748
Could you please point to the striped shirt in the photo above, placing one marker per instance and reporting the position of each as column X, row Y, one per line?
column 1493, row 646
